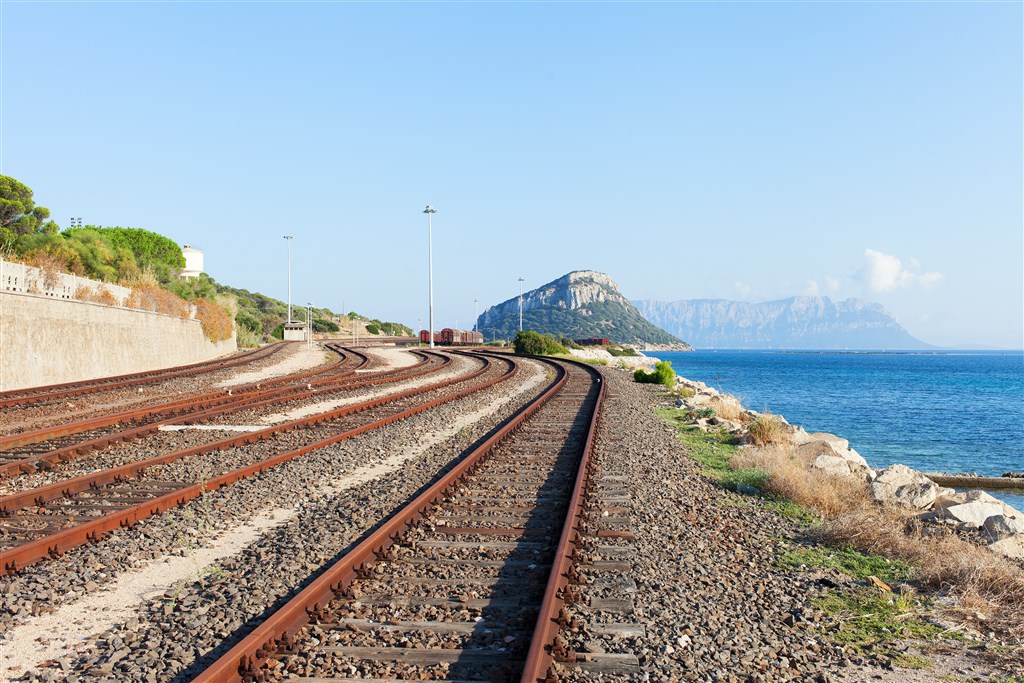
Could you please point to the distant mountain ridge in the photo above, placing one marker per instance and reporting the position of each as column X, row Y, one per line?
column 583, row 303
column 799, row 322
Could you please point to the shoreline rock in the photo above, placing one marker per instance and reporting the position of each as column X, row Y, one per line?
column 897, row 485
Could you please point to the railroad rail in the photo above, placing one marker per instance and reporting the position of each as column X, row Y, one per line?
column 466, row 581
column 52, row 519
column 43, row 448
column 53, row 392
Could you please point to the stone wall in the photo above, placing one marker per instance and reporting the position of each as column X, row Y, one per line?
column 49, row 340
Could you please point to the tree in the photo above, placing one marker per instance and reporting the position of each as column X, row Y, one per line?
column 18, row 213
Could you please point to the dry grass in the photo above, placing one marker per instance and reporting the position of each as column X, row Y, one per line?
column 792, row 479
column 766, row 429
column 217, row 324
column 987, row 587
column 50, row 266
column 147, row 297
column 96, row 296
column 729, row 408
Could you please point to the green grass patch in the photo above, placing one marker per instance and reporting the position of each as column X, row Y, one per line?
column 713, row 450
column 848, row 561
column 865, row 620
column 799, row 514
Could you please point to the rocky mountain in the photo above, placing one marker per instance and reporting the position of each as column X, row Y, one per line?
column 800, row 322
column 583, row 303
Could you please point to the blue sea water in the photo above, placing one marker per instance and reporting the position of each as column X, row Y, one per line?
column 933, row 411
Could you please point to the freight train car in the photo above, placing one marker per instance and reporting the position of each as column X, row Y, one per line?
column 593, row 341
column 450, row 337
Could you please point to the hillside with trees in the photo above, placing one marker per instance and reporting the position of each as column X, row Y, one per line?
column 150, row 263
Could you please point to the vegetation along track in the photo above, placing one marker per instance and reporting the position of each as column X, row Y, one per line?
column 464, row 582
column 56, row 392
column 44, row 448
column 51, row 519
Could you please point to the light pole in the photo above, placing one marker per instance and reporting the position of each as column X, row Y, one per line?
column 476, row 313
column 309, row 324
column 521, row 281
column 289, row 238
column 430, row 211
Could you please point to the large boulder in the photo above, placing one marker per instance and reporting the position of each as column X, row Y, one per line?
column 833, row 465
column 825, row 454
column 972, row 508
column 1001, row 526
column 904, row 487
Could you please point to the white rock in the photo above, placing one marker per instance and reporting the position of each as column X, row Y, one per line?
column 973, row 514
column 905, row 487
column 1001, row 526
column 1011, row 546
column 832, row 464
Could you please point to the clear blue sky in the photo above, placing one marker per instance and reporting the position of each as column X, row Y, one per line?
column 690, row 150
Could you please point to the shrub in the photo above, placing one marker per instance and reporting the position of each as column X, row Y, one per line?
column 537, row 344
column 621, row 351
column 215, row 320
column 663, row 374
column 373, row 328
column 765, row 429
column 156, row 299
column 321, row 325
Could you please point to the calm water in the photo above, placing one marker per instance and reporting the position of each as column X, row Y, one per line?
column 935, row 412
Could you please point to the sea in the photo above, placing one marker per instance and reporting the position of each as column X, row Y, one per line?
column 942, row 411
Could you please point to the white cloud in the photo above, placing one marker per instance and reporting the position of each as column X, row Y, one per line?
column 832, row 283
column 885, row 273
column 812, row 288
column 742, row 288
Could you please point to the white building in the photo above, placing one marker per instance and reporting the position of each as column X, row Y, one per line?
column 193, row 262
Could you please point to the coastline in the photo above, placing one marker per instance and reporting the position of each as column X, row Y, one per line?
column 710, row 575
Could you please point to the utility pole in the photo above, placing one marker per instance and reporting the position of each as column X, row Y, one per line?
column 430, row 211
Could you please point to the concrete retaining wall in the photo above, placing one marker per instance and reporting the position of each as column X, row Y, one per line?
column 46, row 340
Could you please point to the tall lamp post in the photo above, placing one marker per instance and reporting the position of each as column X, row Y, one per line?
column 430, row 211
column 289, row 238
column 521, row 281
column 476, row 313
column 309, row 324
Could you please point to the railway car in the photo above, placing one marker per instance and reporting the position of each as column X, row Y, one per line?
column 453, row 337
column 593, row 341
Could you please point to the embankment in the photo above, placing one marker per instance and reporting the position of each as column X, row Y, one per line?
column 45, row 340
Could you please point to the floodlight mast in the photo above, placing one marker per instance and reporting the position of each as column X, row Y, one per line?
column 521, row 281
column 430, row 211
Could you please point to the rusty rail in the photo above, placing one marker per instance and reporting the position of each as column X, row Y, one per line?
column 244, row 659
column 540, row 656
column 50, row 392
column 16, row 558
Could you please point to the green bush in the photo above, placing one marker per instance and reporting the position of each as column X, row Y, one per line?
column 321, row 325
column 373, row 328
column 663, row 374
column 621, row 351
column 278, row 332
column 537, row 344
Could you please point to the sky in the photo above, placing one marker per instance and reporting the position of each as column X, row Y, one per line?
column 735, row 150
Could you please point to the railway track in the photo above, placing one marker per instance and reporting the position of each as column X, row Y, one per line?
column 45, row 448
column 54, row 392
column 16, row 449
column 465, row 582
column 51, row 519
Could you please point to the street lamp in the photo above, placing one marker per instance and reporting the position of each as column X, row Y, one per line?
column 430, row 211
column 289, row 238
column 309, row 324
column 521, row 281
column 476, row 313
